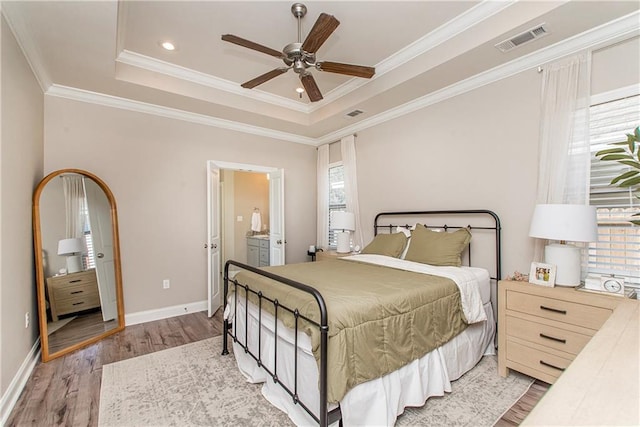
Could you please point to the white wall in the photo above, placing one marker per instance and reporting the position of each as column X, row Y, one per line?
column 21, row 163
column 156, row 168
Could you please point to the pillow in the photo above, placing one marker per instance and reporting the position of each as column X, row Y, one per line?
column 386, row 244
column 437, row 248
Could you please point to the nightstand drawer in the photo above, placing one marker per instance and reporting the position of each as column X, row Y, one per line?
column 548, row 336
column 73, row 305
column 75, row 291
column 264, row 256
column 555, row 309
column 536, row 360
column 264, row 243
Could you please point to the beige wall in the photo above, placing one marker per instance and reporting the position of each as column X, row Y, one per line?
column 251, row 190
column 477, row 150
column 156, row 168
column 21, row 165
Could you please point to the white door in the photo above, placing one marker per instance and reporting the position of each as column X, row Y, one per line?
column 213, row 237
column 276, row 217
column 102, row 238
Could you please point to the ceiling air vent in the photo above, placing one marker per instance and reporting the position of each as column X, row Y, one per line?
column 532, row 34
column 355, row 113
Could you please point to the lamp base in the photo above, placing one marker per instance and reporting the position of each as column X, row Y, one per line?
column 74, row 264
column 344, row 242
column 567, row 260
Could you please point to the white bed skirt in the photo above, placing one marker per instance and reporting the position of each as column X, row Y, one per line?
column 375, row 402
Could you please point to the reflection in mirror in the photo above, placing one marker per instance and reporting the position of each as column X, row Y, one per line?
column 78, row 263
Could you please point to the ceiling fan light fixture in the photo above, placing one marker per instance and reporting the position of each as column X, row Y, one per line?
column 300, row 90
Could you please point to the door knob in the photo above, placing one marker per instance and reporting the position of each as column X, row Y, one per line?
column 100, row 255
column 214, row 246
column 279, row 242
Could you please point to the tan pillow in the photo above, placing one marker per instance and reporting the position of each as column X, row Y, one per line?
column 386, row 244
column 437, row 248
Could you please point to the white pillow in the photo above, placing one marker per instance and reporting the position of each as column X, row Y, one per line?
column 407, row 232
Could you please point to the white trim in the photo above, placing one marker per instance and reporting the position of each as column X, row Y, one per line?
column 164, row 313
column 609, row 33
column 619, row 93
column 157, row 66
column 173, row 113
column 242, row 167
column 10, row 397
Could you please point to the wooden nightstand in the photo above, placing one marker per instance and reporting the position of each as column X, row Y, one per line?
column 330, row 254
column 73, row 292
column 541, row 330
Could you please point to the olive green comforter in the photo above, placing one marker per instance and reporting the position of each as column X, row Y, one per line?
column 379, row 318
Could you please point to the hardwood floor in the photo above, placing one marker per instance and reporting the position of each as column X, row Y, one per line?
column 66, row 391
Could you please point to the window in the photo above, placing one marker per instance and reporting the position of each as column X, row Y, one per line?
column 337, row 200
column 617, row 250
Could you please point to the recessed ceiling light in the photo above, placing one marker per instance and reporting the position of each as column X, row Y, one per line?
column 168, row 45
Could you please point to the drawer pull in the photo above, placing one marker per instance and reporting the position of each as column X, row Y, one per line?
column 542, row 362
column 555, row 310
column 75, row 281
column 563, row 341
column 79, row 292
column 82, row 302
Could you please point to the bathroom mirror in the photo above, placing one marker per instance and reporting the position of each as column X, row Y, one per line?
column 77, row 256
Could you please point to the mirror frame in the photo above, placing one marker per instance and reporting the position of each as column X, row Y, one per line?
column 39, row 265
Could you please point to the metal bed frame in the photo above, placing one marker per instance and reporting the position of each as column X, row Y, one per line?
column 325, row 417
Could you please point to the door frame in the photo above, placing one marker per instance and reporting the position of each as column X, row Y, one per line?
column 211, row 210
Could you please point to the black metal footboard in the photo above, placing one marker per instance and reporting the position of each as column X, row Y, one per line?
column 325, row 417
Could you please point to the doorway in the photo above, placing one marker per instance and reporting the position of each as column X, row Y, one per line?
column 225, row 222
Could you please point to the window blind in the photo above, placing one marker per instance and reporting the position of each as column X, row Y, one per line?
column 617, row 250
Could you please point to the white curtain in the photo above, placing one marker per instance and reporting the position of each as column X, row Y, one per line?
column 75, row 205
column 563, row 156
column 322, row 170
column 348, row 148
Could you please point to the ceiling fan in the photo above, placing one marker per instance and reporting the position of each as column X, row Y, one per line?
column 300, row 56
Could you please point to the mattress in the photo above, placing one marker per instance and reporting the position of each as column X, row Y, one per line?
column 371, row 402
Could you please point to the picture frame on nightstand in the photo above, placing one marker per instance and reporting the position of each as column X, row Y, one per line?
column 542, row 274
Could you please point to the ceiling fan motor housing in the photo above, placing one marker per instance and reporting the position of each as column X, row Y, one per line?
column 297, row 58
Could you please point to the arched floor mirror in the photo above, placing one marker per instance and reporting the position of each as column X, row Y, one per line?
column 77, row 254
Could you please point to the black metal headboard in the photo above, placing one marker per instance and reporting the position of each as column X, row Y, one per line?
column 480, row 219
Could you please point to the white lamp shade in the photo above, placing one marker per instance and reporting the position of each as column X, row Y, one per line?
column 69, row 246
column 574, row 223
column 343, row 221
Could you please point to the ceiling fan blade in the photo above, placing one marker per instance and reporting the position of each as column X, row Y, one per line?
column 264, row 78
column 322, row 29
column 311, row 87
column 348, row 69
column 251, row 45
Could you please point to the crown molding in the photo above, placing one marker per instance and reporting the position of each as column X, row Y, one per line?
column 148, row 63
column 29, row 48
column 606, row 34
column 172, row 113
column 609, row 33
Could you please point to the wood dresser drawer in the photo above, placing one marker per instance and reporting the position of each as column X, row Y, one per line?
column 560, row 310
column 554, row 337
column 73, row 292
column 541, row 329
column 536, row 362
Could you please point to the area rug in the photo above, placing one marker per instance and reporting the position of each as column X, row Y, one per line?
column 193, row 385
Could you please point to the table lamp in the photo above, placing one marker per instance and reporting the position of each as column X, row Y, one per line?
column 346, row 222
column 71, row 248
column 574, row 223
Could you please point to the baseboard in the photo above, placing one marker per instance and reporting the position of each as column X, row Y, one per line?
column 10, row 397
column 164, row 313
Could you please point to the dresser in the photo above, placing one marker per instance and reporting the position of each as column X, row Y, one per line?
column 73, row 292
column 258, row 251
column 541, row 330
